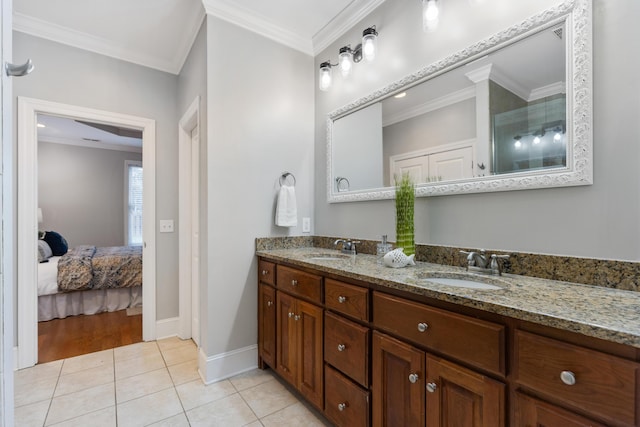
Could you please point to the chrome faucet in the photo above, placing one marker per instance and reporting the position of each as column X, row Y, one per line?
column 348, row 246
column 481, row 263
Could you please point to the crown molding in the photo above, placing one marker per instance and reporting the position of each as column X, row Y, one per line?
column 256, row 23
column 345, row 20
column 57, row 33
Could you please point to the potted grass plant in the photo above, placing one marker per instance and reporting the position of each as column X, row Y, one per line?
column 405, row 201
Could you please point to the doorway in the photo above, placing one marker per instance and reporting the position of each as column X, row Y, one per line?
column 28, row 110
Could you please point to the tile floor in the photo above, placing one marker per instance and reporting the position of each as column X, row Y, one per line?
column 151, row 384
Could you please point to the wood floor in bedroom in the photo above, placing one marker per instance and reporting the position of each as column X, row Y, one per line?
column 76, row 335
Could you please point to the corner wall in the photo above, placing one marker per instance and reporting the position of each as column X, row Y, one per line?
column 599, row 221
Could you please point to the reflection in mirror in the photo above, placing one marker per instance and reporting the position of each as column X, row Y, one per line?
column 500, row 113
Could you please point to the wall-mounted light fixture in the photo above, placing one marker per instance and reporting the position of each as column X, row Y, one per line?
column 430, row 15
column 367, row 49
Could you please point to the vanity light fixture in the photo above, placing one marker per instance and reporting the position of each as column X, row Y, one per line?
column 558, row 134
column 347, row 57
column 430, row 15
column 517, row 144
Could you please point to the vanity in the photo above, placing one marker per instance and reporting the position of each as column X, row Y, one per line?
column 370, row 345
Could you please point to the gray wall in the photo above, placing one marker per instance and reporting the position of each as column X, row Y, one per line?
column 81, row 193
column 599, row 221
column 72, row 76
column 260, row 124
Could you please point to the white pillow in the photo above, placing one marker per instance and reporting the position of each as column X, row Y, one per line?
column 44, row 251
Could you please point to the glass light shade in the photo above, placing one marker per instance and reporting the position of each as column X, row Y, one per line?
column 430, row 14
column 345, row 61
column 369, row 44
column 325, row 76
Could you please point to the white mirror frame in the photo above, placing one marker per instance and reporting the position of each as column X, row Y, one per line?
column 579, row 169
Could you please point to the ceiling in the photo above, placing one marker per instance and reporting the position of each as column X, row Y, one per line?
column 159, row 33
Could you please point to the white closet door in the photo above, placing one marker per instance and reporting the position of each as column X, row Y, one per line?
column 416, row 167
column 452, row 164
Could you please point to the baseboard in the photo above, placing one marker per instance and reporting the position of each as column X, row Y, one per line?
column 226, row 365
column 166, row 328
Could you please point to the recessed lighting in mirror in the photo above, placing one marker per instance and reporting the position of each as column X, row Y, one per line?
column 400, row 95
column 40, row 125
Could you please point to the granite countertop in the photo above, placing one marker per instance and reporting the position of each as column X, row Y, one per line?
column 595, row 311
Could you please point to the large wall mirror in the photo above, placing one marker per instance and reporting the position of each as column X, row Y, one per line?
column 510, row 112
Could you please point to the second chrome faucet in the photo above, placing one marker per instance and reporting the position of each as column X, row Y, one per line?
column 481, row 263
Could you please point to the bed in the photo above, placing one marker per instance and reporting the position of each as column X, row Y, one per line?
column 76, row 283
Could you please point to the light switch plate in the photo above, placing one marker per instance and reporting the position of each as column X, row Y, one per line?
column 306, row 225
column 166, row 226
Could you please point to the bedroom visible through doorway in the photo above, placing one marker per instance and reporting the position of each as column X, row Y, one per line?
column 90, row 217
column 90, row 196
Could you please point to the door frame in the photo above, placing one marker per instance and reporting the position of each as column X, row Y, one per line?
column 190, row 120
column 27, row 272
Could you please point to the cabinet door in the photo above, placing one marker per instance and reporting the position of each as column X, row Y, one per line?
column 397, row 382
column 310, row 364
column 267, row 325
column 286, row 337
column 531, row 412
column 457, row 396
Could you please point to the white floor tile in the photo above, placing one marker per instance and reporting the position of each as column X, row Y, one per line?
column 180, row 354
column 143, row 384
column 139, row 365
column 296, row 415
column 195, row 393
column 32, row 415
column 149, row 409
column 173, row 342
column 103, row 418
column 251, row 378
column 135, row 350
column 231, row 411
column 82, row 380
column 76, row 404
column 33, row 391
column 184, row 372
column 179, row 420
column 44, row 370
column 267, row 398
column 87, row 361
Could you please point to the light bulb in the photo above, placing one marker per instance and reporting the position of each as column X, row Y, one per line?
column 557, row 137
column 536, row 140
column 517, row 144
column 430, row 15
column 345, row 59
column 369, row 43
column 325, row 76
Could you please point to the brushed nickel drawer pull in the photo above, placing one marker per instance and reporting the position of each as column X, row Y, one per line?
column 341, row 347
column 294, row 282
column 291, row 314
column 296, row 317
column 269, row 303
column 265, row 272
column 342, row 406
column 431, row 387
column 422, row 327
column 342, row 299
column 568, row 377
column 413, row 378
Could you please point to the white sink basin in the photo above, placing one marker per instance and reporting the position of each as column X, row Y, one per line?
column 463, row 283
column 327, row 257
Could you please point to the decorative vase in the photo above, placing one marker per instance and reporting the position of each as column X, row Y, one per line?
column 405, row 201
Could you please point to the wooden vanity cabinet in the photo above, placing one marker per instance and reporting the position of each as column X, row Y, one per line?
column 530, row 412
column 299, row 327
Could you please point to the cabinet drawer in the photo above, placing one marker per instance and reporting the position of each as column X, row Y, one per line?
column 300, row 283
column 347, row 299
column 345, row 404
column 267, row 272
column 534, row 412
column 604, row 385
column 346, row 347
column 477, row 342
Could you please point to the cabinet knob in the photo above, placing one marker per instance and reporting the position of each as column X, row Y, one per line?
column 413, row 378
column 341, row 347
column 568, row 377
column 269, row 303
column 431, row 387
column 265, row 272
column 342, row 299
column 422, row 327
column 342, row 406
column 291, row 314
column 296, row 317
column 294, row 282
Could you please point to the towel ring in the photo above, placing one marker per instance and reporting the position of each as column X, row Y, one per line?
column 284, row 176
column 342, row 184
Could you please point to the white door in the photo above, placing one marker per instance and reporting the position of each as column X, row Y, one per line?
column 195, row 236
column 416, row 167
column 452, row 164
column 6, row 263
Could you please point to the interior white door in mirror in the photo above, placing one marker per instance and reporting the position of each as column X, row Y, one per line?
column 452, row 164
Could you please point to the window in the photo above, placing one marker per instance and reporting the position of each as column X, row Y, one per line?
column 133, row 203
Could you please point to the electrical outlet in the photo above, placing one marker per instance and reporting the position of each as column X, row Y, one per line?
column 306, row 225
column 166, row 226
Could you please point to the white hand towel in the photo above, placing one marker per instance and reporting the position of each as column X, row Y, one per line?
column 286, row 210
